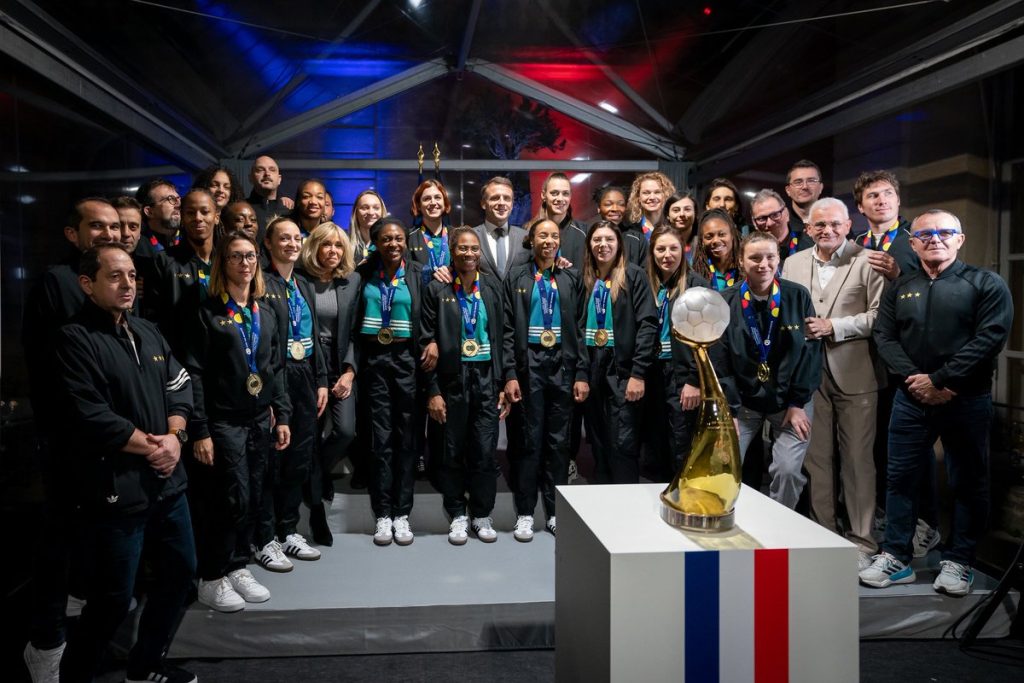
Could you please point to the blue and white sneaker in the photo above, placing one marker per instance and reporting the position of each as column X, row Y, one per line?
column 885, row 570
column 954, row 579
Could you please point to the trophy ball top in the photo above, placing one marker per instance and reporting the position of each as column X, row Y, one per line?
column 700, row 315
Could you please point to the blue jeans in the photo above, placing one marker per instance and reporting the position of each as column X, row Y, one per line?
column 964, row 425
column 166, row 531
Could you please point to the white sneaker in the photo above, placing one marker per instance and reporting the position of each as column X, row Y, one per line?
column 246, row 585
column 403, row 533
column 271, row 557
column 383, row 535
column 483, row 527
column 925, row 538
column 886, row 570
column 953, row 579
column 524, row 528
column 863, row 561
column 458, row 531
column 296, row 546
column 550, row 525
column 219, row 595
column 43, row 665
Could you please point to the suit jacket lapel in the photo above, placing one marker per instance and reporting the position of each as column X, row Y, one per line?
column 481, row 232
column 838, row 281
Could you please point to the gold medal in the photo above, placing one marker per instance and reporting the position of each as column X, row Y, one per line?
column 385, row 336
column 470, row 348
column 297, row 350
column 253, row 384
column 764, row 373
column 601, row 337
column 548, row 338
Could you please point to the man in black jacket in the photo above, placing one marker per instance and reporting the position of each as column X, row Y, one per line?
column 940, row 330
column 127, row 402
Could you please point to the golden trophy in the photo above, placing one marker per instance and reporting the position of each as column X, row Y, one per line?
column 702, row 494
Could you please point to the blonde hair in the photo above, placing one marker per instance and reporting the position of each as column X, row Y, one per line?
column 633, row 203
column 218, row 281
column 309, row 259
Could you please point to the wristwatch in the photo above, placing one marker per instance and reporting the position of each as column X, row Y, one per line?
column 181, row 434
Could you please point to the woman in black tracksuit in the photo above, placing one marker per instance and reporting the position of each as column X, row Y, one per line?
column 237, row 384
column 327, row 259
column 387, row 355
column 291, row 296
column 546, row 368
column 774, row 367
column 463, row 321
column 673, row 384
column 621, row 334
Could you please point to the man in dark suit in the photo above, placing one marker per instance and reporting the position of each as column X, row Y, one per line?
column 502, row 243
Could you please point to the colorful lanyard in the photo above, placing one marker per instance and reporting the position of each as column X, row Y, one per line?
column 436, row 256
column 729, row 276
column 470, row 305
column 885, row 242
column 645, row 226
column 160, row 247
column 794, row 239
column 662, row 306
column 774, row 304
column 387, row 293
column 602, row 288
column 547, row 298
column 250, row 336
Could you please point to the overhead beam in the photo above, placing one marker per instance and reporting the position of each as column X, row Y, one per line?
column 984, row 26
column 300, row 76
column 467, row 35
column 594, row 117
column 87, row 176
column 968, row 70
column 615, row 79
column 21, row 44
column 456, row 165
column 342, row 106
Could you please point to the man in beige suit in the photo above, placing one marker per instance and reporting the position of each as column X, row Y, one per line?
column 846, row 292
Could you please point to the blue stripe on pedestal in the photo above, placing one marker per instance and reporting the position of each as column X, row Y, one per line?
column 701, row 617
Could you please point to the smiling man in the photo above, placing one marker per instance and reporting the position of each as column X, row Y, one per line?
column 939, row 329
column 502, row 243
column 846, row 293
column 266, row 179
column 803, row 187
column 877, row 194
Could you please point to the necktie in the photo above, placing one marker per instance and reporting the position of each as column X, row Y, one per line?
column 499, row 249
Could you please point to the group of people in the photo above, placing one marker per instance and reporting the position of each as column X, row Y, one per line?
column 222, row 355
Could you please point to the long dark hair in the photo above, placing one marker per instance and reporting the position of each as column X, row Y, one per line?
column 618, row 272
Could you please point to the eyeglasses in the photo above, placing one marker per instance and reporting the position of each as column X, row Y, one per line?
column 821, row 225
column 171, row 199
column 942, row 233
column 800, row 182
column 773, row 217
column 236, row 257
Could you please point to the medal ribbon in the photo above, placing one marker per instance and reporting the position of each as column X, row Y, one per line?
column 885, row 242
column 774, row 303
column 387, row 293
column 794, row 239
column 436, row 256
column 294, row 308
column 250, row 336
column 662, row 306
column 470, row 305
column 602, row 288
column 646, row 228
column 729, row 276
column 547, row 297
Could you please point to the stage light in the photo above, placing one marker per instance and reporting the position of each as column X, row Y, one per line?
column 707, row 11
column 608, row 107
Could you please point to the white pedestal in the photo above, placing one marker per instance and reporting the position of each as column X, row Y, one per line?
column 774, row 599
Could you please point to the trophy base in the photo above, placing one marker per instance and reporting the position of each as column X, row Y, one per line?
column 695, row 522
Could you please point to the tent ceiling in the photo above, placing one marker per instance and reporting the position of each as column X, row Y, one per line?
column 201, row 80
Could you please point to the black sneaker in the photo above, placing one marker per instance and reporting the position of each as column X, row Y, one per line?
column 166, row 674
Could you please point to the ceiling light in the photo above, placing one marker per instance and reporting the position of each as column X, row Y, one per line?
column 26, row 199
column 750, row 194
column 608, row 107
column 579, row 178
column 17, row 168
